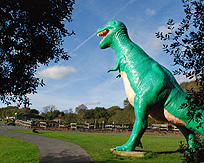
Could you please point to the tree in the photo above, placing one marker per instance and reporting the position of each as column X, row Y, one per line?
column 8, row 111
column 24, row 111
column 49, row 112
column 186, row 43
column 89, row 115
column 127, row 104
column 85, row 115
column 31, row 34
column 56, row 113
column 81, row 113
column 34, row 111
column 101, row 113
column 80, row 107
column 112, row 110
column 70, row 118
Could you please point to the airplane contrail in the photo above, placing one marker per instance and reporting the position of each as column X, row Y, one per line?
column 130, row 2
column 82, row 43
column 127, row 4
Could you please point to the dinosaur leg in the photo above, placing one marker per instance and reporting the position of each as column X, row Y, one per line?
column 139, row 127
column 196, row 123
column 193, row 144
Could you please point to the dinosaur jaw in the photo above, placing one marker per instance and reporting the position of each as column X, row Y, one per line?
column 103, row 34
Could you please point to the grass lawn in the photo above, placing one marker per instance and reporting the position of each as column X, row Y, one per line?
column 13, row 150
column 161, row 149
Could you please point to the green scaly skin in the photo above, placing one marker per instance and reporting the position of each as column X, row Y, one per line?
column 154, row 87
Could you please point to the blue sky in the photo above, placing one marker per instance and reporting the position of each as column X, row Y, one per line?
column 84, row 78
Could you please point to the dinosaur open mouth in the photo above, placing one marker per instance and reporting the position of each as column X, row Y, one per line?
column 103, row 33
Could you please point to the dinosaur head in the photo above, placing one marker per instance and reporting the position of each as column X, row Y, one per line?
column 108, row 32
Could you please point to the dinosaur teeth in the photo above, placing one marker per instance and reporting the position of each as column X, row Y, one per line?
column 103, row 33
column 102, row 39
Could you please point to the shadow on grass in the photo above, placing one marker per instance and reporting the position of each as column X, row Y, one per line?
column 164, row 152
column 168, row 152
column 66, row 159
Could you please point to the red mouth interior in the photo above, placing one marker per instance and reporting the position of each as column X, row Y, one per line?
column 103, row 33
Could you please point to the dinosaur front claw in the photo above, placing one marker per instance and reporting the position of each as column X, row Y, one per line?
column 112, row 69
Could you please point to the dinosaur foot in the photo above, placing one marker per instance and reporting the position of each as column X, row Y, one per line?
column 129, row 146
column 193, row 144
column 126, row 147
column 113, row 149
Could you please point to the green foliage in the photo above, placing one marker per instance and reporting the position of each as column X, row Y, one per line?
column 193, row 156
column 101, row 113
column 16, row 150
column 113, row 114
column 84, row 115
column 50, row 112
column 80, row 107
column 194, row 90
column 112, row 110
column 8, row 111
column 187, row 86
column 21, row 112
column 34, row 111
column 70, row 118
column 24, row 111
column 122, row 115
column 32, row 33
column 127, row 104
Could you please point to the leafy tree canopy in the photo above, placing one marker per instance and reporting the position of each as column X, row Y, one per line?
column 185, row 41
column 100, row 112
column 187, row 45
column 80, row 108
column 31, row 34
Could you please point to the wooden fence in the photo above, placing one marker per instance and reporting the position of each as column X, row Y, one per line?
column 163, row 127
column 27, row 124
column 89, row 127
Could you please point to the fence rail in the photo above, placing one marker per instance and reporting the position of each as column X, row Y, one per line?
column 163, row 127
column 88, row 126
column 28, row 124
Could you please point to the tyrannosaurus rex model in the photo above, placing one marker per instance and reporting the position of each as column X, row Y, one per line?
column 151, row 89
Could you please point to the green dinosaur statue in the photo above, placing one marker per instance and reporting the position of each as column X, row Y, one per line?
column 151, row 89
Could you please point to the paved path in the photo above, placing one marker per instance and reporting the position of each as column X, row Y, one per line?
column 51, row 150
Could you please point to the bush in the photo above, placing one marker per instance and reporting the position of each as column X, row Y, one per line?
column 192, row 156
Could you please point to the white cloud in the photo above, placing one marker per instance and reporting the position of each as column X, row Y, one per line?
column 182, row 78
column 92, row 103
column 57, row 72
column 150, row 12
column 154, row 44
column 110, row 92
column 165, row 29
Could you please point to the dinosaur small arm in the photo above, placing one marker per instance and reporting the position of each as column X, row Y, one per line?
column 150, row 88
